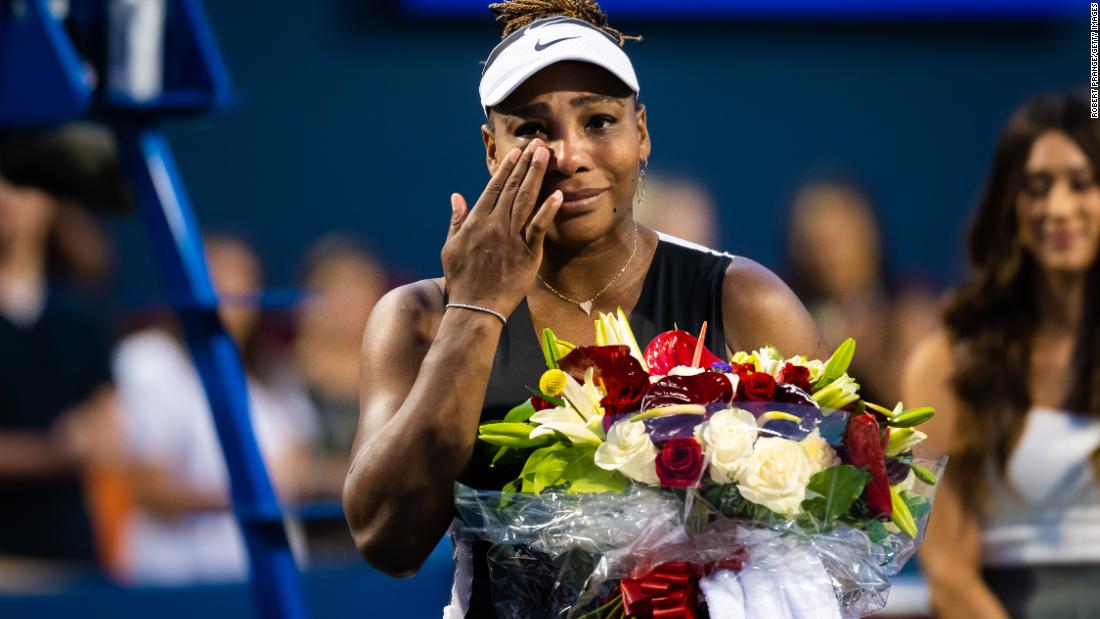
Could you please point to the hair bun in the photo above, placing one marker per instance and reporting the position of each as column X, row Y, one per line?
column 518, row 13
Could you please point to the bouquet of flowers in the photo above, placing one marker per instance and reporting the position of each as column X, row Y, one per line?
column 667, row 482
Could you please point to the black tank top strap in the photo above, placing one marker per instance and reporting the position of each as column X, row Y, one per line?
column 683, row 289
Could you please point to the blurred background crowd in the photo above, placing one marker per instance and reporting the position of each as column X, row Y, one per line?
column 847, row 155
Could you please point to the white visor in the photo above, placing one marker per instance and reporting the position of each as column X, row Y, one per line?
column 544, row 42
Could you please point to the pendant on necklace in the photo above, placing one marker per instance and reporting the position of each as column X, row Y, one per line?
column 586, row 306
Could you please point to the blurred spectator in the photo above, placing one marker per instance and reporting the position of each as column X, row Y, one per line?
column 677, row 206
column 57, row 422
column 343, row 283
column 837, row 267
column 1015, row 380
column 83, row 246
column 182, row 530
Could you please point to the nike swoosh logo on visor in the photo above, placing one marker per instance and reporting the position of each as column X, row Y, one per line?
column 539, row 45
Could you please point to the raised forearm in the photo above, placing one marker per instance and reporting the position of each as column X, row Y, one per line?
column 399, row 491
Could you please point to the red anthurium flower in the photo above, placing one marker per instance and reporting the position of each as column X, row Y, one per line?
column 622, row 376
column 796, row 375
column 756, row 387
column 863, row 448
column 680, row 463
column 673, row 348
column 698, row 389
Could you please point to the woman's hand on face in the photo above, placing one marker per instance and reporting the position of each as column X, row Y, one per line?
column 493, row 252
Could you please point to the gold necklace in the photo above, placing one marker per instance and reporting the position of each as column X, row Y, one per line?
column 586, row 306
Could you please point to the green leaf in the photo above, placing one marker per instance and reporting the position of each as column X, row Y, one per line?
column 838, row 363
column 726, row 499
column 549, row 398
column 831, row 493
column 595, row 479
column 543, row 468
column 918, row 505
column 877, row 531
column 572, row 467
column 521, row 413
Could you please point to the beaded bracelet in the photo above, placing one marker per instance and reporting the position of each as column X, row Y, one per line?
column 477, row 308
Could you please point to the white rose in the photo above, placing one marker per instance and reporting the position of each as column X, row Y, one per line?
column 776, row 475
column 727, row 439
column 629, row 450
column 821, row 453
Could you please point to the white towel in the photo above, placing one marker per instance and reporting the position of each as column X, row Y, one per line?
column 808, row 588
column 794, row 586
column 723, row 594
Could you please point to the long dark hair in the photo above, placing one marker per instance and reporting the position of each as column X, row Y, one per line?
column 992, row 316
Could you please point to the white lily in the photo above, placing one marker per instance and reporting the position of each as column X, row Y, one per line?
column 903, row 439
column 837, row 394
column 614, row 330
column 769, row 361
column 565, row 420
column 584, row 399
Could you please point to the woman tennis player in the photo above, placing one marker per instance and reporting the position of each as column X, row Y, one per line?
column 550, row 241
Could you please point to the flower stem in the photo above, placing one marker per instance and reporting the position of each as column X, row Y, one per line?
column 612, row 604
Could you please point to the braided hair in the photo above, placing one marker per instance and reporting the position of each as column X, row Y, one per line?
column 518, row 13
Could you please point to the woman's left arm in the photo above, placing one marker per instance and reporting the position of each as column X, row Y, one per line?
column 759, row 309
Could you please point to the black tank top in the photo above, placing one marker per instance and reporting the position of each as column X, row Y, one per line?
column 682, row 288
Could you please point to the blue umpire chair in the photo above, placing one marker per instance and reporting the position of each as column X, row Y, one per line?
column 51, row 71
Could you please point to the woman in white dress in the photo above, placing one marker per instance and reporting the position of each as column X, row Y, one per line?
column 182, row 530
column 1015, row 379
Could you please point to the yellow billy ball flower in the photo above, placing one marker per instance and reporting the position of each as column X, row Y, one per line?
column 552, row 382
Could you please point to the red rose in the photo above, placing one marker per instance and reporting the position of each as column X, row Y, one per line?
column 622, row 376
column 796, row 375
column 680, row 463
column 756, row 387
column 863, row 448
